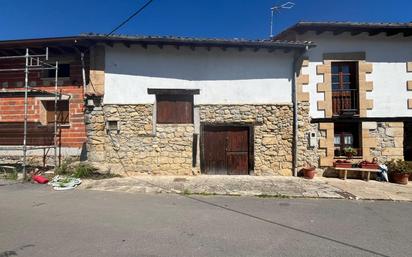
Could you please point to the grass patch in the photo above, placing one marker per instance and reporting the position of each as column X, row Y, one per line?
column 272, row 196
column 82, row 170
column 11, row 175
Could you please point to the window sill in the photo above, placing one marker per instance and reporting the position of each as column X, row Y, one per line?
column 346, row 158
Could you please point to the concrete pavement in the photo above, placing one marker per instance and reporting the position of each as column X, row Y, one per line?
column 37, row 221
column 264, row 186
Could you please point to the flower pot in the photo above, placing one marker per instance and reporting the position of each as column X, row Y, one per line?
column 369, row 165
column 349, row 155
column 400, row 178
column 309, row 173
column 342, row 164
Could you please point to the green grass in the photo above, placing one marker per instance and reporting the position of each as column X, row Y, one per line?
column 188, row 192
column 11, row 175
column 81, row 170
column 272, row 196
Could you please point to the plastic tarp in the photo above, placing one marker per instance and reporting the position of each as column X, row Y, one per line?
column 61, row 183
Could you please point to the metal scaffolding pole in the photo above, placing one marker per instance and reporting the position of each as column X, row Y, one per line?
column 26, row 88
column 55, row 113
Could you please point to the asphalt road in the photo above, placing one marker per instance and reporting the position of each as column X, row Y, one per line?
column 36, row 221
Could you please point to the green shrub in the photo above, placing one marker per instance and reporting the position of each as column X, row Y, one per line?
column 11, row 175
column 84, row 170
column 64, row 168
column 398, row 166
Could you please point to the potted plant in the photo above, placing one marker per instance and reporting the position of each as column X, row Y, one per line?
column 369, row 165
column 309, row 171
column 342, row 164
column 350, row 152
column 399, row 171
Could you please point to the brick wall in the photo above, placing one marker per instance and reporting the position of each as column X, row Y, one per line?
column 12, row 108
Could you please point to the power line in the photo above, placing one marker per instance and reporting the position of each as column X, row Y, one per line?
column 131, row 17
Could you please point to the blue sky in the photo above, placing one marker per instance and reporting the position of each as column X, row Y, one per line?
column 195, row 18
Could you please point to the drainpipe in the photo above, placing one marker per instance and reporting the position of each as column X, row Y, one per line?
column 298, row 56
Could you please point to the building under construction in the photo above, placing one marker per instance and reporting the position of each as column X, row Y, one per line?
column 41, row 99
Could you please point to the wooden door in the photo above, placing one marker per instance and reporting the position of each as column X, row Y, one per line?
column 226, row 150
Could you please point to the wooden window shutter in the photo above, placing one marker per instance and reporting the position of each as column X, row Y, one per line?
column 174, row 109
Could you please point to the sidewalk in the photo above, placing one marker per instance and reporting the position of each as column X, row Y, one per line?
column 261, row 186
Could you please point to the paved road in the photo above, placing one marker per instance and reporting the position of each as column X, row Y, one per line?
column 35, row 221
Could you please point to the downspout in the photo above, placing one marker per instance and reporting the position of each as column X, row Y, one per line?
column 297, row 57
column 83, row 72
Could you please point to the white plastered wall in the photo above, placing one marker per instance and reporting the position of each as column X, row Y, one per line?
column 223, row 77
column 388, row 56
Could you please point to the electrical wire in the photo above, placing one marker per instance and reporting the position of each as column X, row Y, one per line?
column 131, row 17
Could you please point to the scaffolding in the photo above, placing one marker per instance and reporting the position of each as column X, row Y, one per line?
column 34, row 62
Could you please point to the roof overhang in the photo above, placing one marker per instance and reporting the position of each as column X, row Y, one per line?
column 56, row 45
column 81, row 43
column 207, row 43
column 354, row 28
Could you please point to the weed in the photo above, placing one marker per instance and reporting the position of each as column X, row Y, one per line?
column 11, row 175
column 64, row 168
column 84, row 170
column 272, row 196
column 186, row 192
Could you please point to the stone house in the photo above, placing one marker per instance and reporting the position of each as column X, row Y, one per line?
column 182, row 106
column 357, row 83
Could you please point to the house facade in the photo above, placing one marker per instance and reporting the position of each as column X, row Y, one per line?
column 357, row 83
column 183, row 106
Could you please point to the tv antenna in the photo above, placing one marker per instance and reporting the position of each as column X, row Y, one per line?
column 277, row 9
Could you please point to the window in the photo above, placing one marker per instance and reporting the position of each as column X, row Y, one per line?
column 346, row 135
column 344, row 88
column 62, row 111
column 174, row 109
column 64, row 71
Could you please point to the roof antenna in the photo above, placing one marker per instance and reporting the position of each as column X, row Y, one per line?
column 276, row 9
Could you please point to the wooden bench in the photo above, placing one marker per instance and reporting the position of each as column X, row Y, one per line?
column 364, row 171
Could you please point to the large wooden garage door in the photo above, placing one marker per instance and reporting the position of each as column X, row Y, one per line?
column 226, row 150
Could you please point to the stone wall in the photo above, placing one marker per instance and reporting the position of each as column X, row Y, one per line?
column 141, row 146
column 136, row 146
column 272, row 132
column 307, row 155
column 389, row 140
